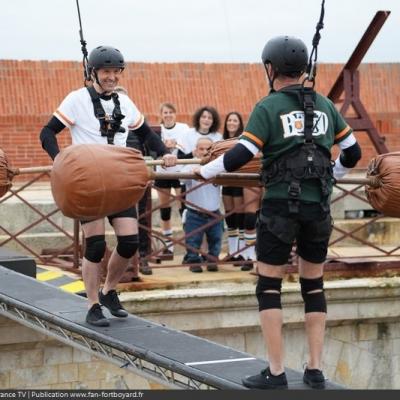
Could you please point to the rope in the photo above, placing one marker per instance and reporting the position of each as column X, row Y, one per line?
column 312, row 62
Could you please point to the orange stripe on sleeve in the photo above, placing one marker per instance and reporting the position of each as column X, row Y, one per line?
column 254, row 139
column 138, row 123
column 63, row 118
column 342, row 133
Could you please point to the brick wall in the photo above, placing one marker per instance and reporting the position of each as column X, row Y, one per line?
column 31, row 90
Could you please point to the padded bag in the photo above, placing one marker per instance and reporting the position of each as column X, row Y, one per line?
column 5, row 174
column 253, row 166
column 385, row 169
column 91, row 181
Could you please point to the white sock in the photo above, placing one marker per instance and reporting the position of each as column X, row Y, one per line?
column 242, row 244
column 250, row 239
column 168, row 243
column 233, row 240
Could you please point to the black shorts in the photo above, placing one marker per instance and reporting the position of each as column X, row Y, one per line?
column 232, row 191
column 277, row 230
column 128, row 213
column 167, row 183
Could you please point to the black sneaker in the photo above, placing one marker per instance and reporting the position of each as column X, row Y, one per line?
column 195, row 268
column 247, row 266
column 144, row 267
column 96, row 317
column 111, row 301
column 265, row 380
column 212, row 267
column 314, row 378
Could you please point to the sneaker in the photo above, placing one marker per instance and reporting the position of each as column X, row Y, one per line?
column 238, row 261
column 96, row 317
column 265, row 380
column 144, row 267
column 212, row 267
column 314, row 378
column 247, row 266
column 111, row 301
column 195, row 268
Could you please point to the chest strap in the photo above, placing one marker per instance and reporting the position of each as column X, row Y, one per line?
column 109, row 125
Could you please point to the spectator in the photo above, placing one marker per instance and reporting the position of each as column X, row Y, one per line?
column 233, row 196
column 172, row 134
column 206, row 122
column 206, row 197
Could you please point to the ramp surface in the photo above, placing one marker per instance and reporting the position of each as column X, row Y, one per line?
column 174, row 358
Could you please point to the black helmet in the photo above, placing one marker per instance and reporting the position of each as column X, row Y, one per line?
column 105, row 56
column 286, row 54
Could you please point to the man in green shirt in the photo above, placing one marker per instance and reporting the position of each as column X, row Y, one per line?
column 295, row 129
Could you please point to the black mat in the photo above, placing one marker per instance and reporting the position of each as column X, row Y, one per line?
column 198, row 358
column 17, row 262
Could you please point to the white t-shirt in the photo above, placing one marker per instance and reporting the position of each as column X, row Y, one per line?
column 205, row 196
column 77, row 113
column 178, row 133
column 192, row 136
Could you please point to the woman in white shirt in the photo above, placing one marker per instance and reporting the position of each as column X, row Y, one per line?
column 172, row 134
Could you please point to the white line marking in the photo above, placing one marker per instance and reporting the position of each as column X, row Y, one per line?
column 220, row 361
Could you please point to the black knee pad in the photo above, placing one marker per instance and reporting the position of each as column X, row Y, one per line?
column 231, row 221
column 268, row 300
column 240, row 220
column 95, row 247
column 250, row 220
column 313, row 302
column 165, row 213
column 127, row 245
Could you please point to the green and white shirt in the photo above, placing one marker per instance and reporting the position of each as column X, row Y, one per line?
column 276, row 126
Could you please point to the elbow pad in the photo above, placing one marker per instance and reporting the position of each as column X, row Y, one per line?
column 237, row 157
column 349, row 157
column 151, row 139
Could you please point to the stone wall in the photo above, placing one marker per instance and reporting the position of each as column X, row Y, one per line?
column 30, row 360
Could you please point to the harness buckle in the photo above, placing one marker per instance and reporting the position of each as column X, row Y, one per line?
column 294, row 190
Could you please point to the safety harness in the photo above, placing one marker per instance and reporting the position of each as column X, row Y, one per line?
column 109, row 125
column 306, row 161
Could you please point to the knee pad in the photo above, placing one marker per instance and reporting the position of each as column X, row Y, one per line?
column 240, row 220
column 165, row 213
column 250, row 220
column 127, row 245
column 315, row 301
column 268, row 292
column 95, row 247
column 231, row 221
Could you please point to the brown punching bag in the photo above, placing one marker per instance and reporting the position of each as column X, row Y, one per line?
column 91, row 181
column 386, row 196
column 5, row 174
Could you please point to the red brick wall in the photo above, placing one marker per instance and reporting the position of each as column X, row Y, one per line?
column 31, row 90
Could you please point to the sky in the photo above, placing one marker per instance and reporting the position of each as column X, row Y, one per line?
column 192, row 30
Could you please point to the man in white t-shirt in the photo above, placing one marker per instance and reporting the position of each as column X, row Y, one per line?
column 97, row 114
column 203, row 204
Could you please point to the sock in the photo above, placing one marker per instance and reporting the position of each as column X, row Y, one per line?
column 250, row 240
column 168, row 243
column 242, row 244
column 233, row 240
